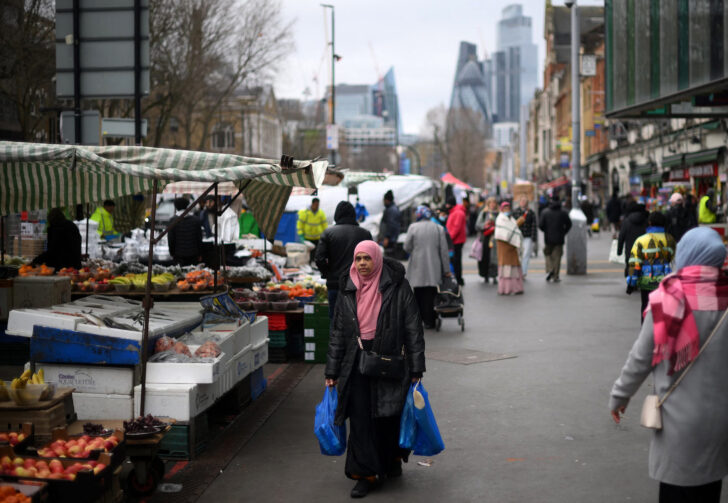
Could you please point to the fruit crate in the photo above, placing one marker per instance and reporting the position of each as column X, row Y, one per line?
column 87, row 487
column 258, row 384
column 45, row 415
column 117, row 453
column 185, row 440
column 277, row 338
column 36, row 491
column 27, row 430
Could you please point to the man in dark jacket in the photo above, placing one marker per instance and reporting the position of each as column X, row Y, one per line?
column 64, row 243
column 185, row 237
column 554, row 223
column 633, row 226
column 335, row 251
column 614, row 212
column 391, row 223
column 679, row 218
column 528, row 229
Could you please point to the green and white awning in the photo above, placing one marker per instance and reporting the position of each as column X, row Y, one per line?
column 35, row 176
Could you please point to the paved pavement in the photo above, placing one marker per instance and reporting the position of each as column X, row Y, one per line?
column 530, row 428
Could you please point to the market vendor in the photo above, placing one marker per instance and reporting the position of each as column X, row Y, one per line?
column 64, row 243
column 311, row 224
column 104, row 216
column 185, row 235
column 207, row 216
column 247, row 223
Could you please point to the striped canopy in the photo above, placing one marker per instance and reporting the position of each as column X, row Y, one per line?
column 35, row 176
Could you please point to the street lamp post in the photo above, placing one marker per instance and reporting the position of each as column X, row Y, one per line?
column 576, row 240
column 332, row 154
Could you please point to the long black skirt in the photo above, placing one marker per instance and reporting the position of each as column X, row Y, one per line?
column 373, row 447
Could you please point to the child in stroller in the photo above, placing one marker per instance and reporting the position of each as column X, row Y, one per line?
column 449, row 303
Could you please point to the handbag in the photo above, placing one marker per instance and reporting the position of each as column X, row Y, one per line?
column 476, row 251
column 651, row 416
column 372, row 364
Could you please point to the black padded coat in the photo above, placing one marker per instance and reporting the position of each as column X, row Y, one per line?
column 399, row 324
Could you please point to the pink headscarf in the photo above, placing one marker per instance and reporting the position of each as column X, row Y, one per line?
column 368, row 296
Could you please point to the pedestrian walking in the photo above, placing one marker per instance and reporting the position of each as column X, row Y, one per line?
column 426, row 245
column 457, row 222
column 509, row 240
column 311, row 224
column 377, row 313
column 689, row 455
column 614, row 213
column 528, row 230
column 679, row 218
column 185, row 235
column 633, row 226
column 485, row 225
column 391, row 223
column 335, row 250
column 554, row 223
column 650, row 259
column 706, row 208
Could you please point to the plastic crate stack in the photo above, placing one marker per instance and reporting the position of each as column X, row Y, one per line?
column 277, row 346
column 316, row 332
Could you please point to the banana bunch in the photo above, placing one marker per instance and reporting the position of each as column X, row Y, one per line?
column 28, row 377
column 120, row 280
column 163, row 278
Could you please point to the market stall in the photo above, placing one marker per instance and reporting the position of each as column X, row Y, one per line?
column 107, row 329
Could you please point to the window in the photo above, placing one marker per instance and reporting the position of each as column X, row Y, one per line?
column 223, row 137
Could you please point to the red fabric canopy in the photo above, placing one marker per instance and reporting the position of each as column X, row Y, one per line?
column 451, row 179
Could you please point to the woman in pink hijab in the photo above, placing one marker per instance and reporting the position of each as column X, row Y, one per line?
column 376, row 312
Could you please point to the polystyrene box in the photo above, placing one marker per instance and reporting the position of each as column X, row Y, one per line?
column 173, row 373
column 259, row 330
column 260, row 354
column 102, row 406
column 178, row 401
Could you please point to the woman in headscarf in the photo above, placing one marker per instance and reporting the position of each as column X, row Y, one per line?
column 428, row 262
column 508, row 239
column 485, row 225
column 689, row 456
column 376, row 311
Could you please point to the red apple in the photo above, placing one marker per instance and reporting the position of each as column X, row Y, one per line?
column 41, row 465
column 21, row 437
column 70, row 476
column 99, row 468
column 28, row 462
column 44, row 474
column 20, row 471
column 4, row 437
column 56, row 476
column 6, row 462
column 32, row 471
column 56, row 466
column 18, row 461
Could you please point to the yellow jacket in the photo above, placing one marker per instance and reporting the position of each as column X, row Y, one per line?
column 705, row 215
column 311, row 225
column 650, row 258
column 105, row 220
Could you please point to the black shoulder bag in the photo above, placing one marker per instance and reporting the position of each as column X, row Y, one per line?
column 372, row 364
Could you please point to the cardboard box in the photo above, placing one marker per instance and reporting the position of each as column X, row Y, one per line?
column 103, row 406
column 97, row 379
column 41, row 291
column 178, row 401
column 28, row 248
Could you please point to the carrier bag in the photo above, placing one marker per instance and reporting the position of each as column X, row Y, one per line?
column 407, row 424
column 613, row 257
column 332, row 438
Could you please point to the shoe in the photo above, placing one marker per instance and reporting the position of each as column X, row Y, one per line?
column 549, row 276
column 556, row 280
column 395, row 471
column 361, row 488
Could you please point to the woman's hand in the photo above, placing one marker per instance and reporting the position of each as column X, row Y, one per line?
column 330, row 383
column 616, row 413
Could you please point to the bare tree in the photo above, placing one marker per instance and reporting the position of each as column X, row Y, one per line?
column 202, row 52
column 27, row 62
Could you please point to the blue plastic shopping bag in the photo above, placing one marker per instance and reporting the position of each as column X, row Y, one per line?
column 428, row 440
column 407, row 425
column 332, row 438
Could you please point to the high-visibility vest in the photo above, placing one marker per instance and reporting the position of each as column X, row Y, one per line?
column 105, row 221
column 311, row 225
column 705, row 216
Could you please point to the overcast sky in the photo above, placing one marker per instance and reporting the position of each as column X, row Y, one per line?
column 419, row 38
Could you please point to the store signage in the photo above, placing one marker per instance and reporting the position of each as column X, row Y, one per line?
column 704, row 170
column 588, row 65
column 590, row 132
column 564, row 161
column 680, row 174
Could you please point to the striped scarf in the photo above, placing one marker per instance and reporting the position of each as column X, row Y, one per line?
column 676, row 335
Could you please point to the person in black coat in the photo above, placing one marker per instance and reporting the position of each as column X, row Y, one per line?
column 679, row 218
column 376, row 312
column 555, row 224
column 185, row 237
column 335, row 250
column 633, row 226
column 64, row 243
column 614, row 212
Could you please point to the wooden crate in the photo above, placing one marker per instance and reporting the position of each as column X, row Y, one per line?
column 45, row 416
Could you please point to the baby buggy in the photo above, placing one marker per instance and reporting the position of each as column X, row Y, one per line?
column 449, row 303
